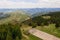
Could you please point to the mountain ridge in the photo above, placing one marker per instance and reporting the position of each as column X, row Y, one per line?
column 32, row 10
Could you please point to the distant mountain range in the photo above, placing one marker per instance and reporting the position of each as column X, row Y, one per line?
column 32, row 10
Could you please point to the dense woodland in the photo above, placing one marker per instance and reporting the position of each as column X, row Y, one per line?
column 46, row 19
column 10, row 32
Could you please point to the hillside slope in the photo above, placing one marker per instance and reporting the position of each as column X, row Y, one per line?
column 15, row 16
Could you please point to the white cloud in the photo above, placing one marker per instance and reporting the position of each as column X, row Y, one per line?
column 39, row 3
column 10, row 4
column 49, row 3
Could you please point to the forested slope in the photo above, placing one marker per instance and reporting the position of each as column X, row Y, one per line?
column 45, row 19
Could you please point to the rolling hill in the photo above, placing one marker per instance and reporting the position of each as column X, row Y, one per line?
column 15, row 16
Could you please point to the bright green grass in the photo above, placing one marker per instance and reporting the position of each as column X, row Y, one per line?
column 51, row 29
column 32, row 37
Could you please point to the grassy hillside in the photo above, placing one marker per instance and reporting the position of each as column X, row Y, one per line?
column 15, row 16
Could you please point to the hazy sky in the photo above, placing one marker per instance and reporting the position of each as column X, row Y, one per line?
column 29, row 3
